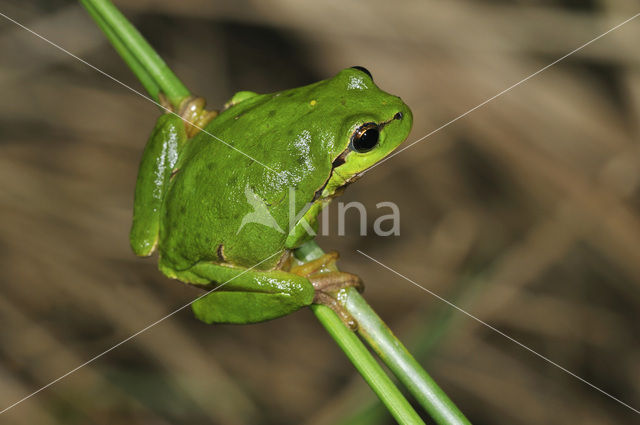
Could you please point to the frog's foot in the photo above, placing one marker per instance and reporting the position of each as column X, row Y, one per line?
column 324, row 275
column 192, row 111
column 327, row 282
column 327, row 287
column 334, row 304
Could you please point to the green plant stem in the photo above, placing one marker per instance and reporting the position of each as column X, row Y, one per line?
column 143, row 60
column 368, row 367
column 426, row 332
column 138, row 69
column 398, row 359
column 393, row 353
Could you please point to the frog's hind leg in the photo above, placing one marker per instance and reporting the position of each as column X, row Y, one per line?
column 241, row 295
column 243, row 307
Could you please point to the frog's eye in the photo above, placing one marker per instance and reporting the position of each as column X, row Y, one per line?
column 365, row 137
column 363, row 69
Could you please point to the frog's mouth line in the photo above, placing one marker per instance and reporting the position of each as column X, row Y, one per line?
column 340, row 159
column 347, row 181
column 397, row 116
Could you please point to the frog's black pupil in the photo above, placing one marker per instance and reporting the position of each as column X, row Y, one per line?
column 363, row 69
column 367, row 140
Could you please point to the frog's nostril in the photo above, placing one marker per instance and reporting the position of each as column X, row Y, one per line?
column 398, row 116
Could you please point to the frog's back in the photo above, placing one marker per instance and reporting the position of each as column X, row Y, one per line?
column 209, row 195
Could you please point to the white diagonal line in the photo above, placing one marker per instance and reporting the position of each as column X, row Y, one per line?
column 91, row 360
column 504, row 91
column 501, row 333
column 132, row 89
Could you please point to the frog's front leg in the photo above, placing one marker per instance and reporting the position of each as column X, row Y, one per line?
column 244, row 295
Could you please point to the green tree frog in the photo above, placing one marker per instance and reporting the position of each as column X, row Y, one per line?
column 295, row 150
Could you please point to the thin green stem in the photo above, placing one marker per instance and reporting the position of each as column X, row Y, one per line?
column 426, row 332
column 138, row 69
column 370, row 370
column 138, row 54
column 394, row 354
column 398, row 359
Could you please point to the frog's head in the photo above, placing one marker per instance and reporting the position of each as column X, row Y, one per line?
column 376, row 123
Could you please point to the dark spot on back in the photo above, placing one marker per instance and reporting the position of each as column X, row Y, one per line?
column 272, row 113
column 173, row 173
column 220, row 252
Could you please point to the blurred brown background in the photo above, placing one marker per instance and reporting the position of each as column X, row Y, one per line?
column 526, row 213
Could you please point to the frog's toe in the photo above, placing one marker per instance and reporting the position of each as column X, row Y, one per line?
column 326, row 262
column 332, row 282
column 334, row 304
column 195, row 116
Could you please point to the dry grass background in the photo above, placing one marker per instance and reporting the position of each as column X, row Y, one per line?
column 526, row 213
